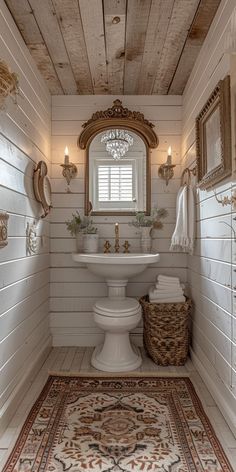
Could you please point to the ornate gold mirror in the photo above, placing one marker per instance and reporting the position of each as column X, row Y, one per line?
column 117, row 165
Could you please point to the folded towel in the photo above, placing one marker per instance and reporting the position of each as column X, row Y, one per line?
column 169, row 285
column 183, row 236
column 153, row 293
column 167, row 278
column 168, row 288
column 165, row 295
column 167, row 300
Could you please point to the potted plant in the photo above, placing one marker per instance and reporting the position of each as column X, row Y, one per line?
column 147, row 223
column 90, row 235
column 86, row 234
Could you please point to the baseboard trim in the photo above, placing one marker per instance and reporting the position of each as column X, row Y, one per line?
column 10, row 406
column 219, row 392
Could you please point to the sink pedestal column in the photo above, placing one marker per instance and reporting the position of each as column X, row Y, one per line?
column 116, row 315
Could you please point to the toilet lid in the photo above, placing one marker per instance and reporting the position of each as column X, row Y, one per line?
column 127, row 306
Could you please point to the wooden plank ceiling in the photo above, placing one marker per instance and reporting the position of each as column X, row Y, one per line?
column 114, row 46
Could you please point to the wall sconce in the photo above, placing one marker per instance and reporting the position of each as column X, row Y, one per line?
column 69, row 170
column 9, row 84
column 166, row 171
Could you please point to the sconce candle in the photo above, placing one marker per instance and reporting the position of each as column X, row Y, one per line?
column 66, row 160
column 169, row 157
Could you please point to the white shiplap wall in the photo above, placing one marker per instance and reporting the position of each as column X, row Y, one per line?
column 24, row 280
column 73, row 288
column 210, row 269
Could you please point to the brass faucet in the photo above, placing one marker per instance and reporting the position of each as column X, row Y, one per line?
column 117, row 245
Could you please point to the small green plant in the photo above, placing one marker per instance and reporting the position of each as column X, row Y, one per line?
column 152, row 221
column 80, row 225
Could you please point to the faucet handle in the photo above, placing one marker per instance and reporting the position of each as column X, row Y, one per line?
column 126, row 246
column 107, row 247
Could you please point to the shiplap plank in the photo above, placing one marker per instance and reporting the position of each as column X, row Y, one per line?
column 217, row 271
column 115, row 43
column 17, row 249
column 17, row 337
column 25, row 20
column 17, row 291
column 195, row 39
column 104, row 101
column 73, row 128
column 47, row 22
column 93, row 27
column 10, row 369
column 69, row 18
column 212, row 290
column 60, row 215
column 137, row 21
column 213, row 312
column 26, row 130
column 82, row 275
column 84, row 113
column 159, row 18
column 12, row 271
column 44, row 63
column 181, row 19
column 22, row 310
column 167, row 260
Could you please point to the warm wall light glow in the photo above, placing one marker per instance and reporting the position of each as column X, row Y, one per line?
column 66, row 151
column 169, row 151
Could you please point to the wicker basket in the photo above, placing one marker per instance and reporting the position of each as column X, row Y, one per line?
column 166, row 331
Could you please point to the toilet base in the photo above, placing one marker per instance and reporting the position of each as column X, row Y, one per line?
column 122, row 357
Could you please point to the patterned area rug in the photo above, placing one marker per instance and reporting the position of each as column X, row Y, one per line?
column 117, row 424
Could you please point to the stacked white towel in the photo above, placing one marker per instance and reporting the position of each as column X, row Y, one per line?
column 167, row 290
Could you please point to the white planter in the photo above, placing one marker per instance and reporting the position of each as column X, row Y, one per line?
column 79, row 242
column 146, row 239
column 91, row 243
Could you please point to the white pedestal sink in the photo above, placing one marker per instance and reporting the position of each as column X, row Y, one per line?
column 116, row 314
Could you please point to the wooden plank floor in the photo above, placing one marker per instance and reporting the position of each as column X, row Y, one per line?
column 77, row 359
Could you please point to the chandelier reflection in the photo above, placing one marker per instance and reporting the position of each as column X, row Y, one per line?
column 117, row 142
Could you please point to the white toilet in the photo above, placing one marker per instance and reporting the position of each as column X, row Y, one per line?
column 116, row 318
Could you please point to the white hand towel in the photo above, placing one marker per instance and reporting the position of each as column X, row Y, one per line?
column 153, row 293
column 168, row 284
column 167, row 278
column 160, row 294
column 169, row 288
column 167, row 300
column 183, row 236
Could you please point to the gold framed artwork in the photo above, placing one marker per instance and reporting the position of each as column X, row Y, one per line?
column 213, row 137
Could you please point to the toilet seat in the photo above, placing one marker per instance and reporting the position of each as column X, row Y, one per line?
column 117, row 308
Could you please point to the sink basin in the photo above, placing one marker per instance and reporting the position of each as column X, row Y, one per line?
column 116, row 266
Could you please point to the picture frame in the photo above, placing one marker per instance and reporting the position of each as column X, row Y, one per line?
column 213, row 137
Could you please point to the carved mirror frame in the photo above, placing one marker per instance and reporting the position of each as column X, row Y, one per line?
column 121, row 118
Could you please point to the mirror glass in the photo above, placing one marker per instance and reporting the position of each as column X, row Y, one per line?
column 117, row 172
